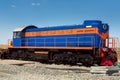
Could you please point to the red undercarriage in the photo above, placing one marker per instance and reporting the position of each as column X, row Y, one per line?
column 109, row 57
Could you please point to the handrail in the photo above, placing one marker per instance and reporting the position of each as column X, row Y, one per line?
column 67, row 42
column 113, row 42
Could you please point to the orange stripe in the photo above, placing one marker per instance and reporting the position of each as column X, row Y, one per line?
column 68, row 32
column 54, row 48
column 104, row 35
column 41, row 52
column 63, row 32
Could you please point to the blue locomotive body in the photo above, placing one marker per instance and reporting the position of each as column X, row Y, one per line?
column 86, row 43
column 91, row 33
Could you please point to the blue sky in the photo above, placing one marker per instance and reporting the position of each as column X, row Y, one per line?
column 42, row 13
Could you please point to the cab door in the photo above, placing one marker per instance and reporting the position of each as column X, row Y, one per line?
column 17, row 38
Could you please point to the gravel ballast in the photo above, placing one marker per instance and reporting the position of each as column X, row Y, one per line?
column 14, row 72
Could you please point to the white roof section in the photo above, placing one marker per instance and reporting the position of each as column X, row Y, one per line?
column 19, row 28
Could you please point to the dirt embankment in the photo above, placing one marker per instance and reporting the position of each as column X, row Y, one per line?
column 3, row 46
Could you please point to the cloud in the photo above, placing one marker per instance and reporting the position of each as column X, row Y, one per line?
column 35, row 4
column 13, row 6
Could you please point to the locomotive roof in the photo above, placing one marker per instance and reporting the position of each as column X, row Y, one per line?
column 55, row 28
column 21, row 28
column 87, row 23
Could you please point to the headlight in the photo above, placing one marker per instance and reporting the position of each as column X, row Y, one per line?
column 104, row 27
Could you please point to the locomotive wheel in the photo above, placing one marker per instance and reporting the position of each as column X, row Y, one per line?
column 30, row 56
column 57, row 58
column 72, row 60
column 23, row 56
column 14, row 55
column 88, row 61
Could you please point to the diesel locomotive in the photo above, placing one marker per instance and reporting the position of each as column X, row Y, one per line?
column 85, row 43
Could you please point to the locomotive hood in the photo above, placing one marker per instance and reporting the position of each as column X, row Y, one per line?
column 103, row 27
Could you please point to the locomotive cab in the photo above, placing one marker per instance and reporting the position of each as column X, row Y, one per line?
column 18, row 34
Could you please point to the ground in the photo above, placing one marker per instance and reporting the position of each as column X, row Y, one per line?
column 22, row 70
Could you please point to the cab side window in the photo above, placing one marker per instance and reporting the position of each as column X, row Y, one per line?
column 16, row 35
